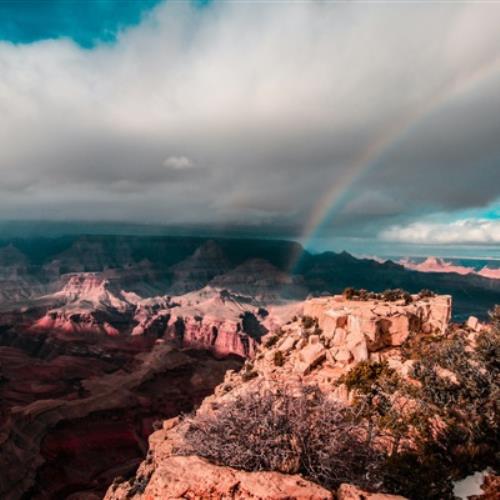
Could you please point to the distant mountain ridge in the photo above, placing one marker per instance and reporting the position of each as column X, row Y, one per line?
column 163, row 265
column 439, row 265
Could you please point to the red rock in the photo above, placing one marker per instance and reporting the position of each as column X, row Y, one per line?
column 192, row 477
column 350, row 492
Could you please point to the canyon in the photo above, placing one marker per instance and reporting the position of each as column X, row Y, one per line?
column 104, row 338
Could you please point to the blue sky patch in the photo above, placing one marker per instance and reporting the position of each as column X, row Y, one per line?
column 87, row 22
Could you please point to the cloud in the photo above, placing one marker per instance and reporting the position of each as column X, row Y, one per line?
column 242, row 114
column 461, row 232
column 178, row 163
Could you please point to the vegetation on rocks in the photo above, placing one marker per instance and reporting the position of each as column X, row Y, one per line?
column 292, row 433
column 279, row 359
column 365, row 374
column 411, row 434
column 444, row 420
column 391, row 295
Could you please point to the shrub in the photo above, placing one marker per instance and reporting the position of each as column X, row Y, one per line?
column 157, row 425
column 279, row 359
column 308, row 322
column 396, row 294
column 387, row 295
column 271, row 341
column 262, row 312
column 365, row 374
column 454, row 427
column 248, row 372
column 495, row 318
column 301, row 433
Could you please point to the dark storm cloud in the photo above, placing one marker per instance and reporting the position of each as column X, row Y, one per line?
column 241, row 114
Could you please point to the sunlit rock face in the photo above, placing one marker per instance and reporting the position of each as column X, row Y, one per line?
column 437, row 265
column 366, row 327
column 193, row 477
column 213, row 319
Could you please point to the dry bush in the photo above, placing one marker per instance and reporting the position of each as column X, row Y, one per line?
column 291, row 433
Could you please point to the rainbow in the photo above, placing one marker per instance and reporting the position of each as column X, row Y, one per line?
column 369, row 158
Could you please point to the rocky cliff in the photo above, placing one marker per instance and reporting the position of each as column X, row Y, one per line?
column 314, row 350
column 211, row 318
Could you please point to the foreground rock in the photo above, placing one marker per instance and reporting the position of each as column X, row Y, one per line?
column 350, row 492
column 194, row 478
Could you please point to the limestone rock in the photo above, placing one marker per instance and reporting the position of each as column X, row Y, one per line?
column 350, row 492
column 473, row 323
column 288, row 344
column 368, row 326
column 310, row 356
column 192, row 477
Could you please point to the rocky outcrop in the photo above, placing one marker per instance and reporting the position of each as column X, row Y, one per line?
column 92, row 290
column 359, row 330
column 213, row 319
column 312, row 350
column 350, row 492
column 193, row 477
column 224, row 322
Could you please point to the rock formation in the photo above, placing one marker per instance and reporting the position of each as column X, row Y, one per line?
column 315, row 349
column 358, row 330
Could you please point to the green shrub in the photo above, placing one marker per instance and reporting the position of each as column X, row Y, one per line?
column 279, row 359
column 365, row 374
column 249, row 375
column 308, row 322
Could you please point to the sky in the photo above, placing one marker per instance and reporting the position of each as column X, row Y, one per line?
column 369, row 126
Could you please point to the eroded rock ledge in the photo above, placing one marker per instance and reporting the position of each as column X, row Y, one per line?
column 316, row 349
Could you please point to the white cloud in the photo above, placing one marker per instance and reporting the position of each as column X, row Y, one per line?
column 178, row 163
column 274, row 100
column 465, row 231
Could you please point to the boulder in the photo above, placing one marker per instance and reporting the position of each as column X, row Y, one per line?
column 310, row 356
column 288, row 344
column 473, row 323
column 341, row 355
column 193, row 477
column 350, row 492
column 340, row 336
